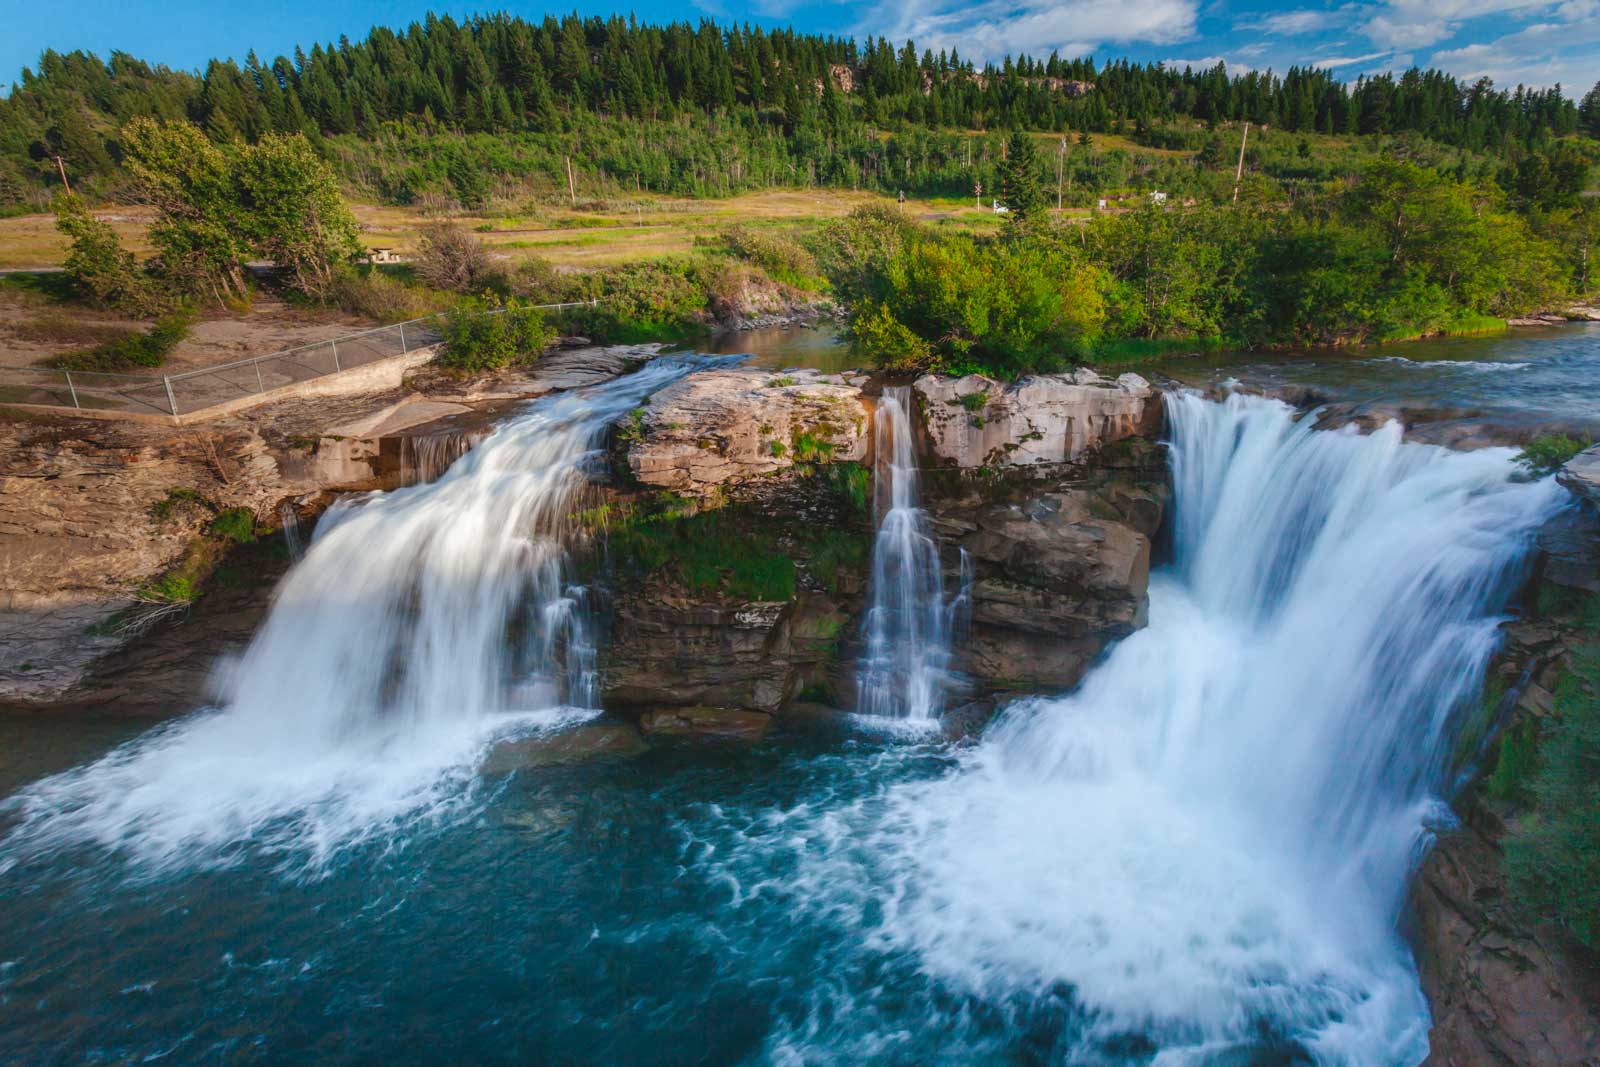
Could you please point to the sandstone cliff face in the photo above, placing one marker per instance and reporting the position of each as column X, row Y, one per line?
column 1051, row 418
column 722, row 427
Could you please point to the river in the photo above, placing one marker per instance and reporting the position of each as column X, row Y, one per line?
column 1160, row 868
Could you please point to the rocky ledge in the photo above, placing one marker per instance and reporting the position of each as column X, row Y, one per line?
column 720, row 427
column 1052, row 418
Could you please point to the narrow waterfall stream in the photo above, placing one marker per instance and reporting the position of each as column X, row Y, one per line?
column 905, row 664
column 420, row 625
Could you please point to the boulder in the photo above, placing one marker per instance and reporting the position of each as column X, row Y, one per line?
column 725, row 426
column 1052, row 418
column 1581, row 475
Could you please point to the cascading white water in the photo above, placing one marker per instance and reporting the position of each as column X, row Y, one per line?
column 905, row 664
column 293, row 543
column 420, row 624
column 1205, row 848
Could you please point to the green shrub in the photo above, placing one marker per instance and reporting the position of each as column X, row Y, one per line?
column 479, row 338
column 782, row 259
column 853, row 483
column 383, row 296
column 104, row 273
column 717, row 553
column 235, row 524
column 141, row 350
column 837, row 552
column 1548, row 453
column 1553, row 854
column 170, row 589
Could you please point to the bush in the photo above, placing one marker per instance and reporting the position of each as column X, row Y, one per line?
column 142, row 350
column 783, row 259
column 235, row 524
column 376, row 295
column 103, row 272
column 478, row 338
column 1549, row 453
column 453, row 259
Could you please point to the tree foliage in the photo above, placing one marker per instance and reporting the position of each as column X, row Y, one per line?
column 1019, row 174
column 1405, row 252
column 800, row 107
column 217, row 205
column 105, row 274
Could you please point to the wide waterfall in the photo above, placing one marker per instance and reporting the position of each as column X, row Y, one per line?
column 420, row 625
column 1200, row 856
column 905, row 663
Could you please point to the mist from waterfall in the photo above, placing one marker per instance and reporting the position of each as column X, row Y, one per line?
column 905, row 663
column 1201, row 855
column 420, row 625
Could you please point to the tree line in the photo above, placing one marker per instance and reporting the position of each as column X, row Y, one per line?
column 803, row 96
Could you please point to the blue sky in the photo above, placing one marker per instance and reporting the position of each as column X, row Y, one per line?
column 1537, row 42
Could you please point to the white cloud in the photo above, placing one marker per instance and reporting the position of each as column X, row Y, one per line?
column 1397, row 24
column 1332, row 62
column 1541, row 54
column 1293, row 23
column 992, row 29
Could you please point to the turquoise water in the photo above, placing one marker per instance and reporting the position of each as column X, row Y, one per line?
column 577, row 913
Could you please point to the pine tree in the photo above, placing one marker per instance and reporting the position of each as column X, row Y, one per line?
column 1020, row 178
column 1589, row 111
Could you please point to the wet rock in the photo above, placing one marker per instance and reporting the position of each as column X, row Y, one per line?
column 732, row 724
column 1060, row 567
column 725, row 426
column 1053, row 418
column 668, row 650
column 1581, row 475
column 570, row 745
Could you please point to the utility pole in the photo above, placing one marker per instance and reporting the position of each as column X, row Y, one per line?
column 1061, row 170
column 62, row 167
column 572, row 186
column 1238, row 175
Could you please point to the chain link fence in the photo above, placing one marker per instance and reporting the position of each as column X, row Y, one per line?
column 205, row 387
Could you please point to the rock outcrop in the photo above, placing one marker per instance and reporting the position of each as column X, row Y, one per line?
column 1060, row 564
column 1581, row 474
column 1501, row 991
column 1050, row 418
column 721, row 427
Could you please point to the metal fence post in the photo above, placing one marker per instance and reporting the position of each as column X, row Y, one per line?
column 172, row 401
column 403, row 348
column 72, row 389
column 260, row 388
column 335, row 346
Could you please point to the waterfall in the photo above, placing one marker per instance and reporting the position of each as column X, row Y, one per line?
column 1203, row 852
column 420, row 625
column 904, row 668
column 425, row 458
column 292, row 541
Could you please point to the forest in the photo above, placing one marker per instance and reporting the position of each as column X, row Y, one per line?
column 459, row 110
